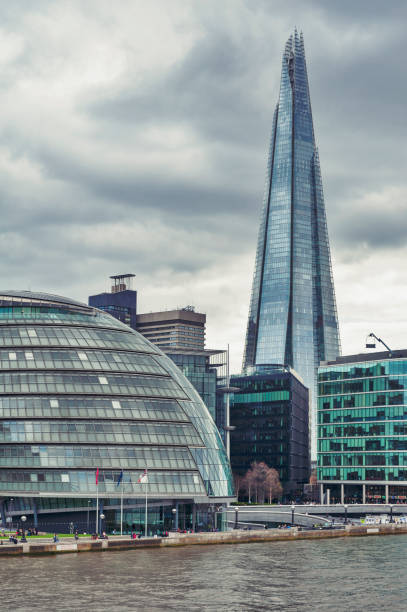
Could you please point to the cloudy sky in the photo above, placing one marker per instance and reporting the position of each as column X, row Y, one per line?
column 134, row 137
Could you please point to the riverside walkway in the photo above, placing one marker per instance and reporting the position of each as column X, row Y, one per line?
column 238, row 536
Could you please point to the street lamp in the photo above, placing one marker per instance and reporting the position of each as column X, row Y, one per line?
column 218, row 510
column 346, row 513
column 89, row 502
column 292, row 514
column 23, row 520
column 102, row 516
column 236, row 518
column 174, row 514
column 391, row 514
column 9, row 509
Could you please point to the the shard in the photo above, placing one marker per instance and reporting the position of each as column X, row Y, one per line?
column 293, row 318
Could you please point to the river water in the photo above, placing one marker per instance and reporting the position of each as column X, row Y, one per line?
column 345, row 574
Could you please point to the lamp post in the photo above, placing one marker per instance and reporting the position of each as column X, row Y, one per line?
column 23, row 520
column 346, row 513
column 174, row 514
column 391, row 514
column 89, row 502
column 9, row 509
column 218, row 510
column 102, row 516
column 292, row 514
column 236, row 518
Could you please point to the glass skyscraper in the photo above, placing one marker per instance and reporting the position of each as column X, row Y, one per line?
column 293, row 318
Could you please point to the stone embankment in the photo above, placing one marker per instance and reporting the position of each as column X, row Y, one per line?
column 190, row 539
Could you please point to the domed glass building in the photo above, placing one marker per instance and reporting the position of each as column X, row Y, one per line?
column 79, row 392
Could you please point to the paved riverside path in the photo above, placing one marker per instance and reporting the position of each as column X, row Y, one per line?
column 308, row 514
column 225, row 537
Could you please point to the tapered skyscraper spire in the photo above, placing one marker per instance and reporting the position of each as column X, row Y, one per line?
column 292, row 318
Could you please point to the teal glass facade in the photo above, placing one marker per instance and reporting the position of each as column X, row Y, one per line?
column 79, row 390
column 362, row 422
column 197, row 369
column 292, row 317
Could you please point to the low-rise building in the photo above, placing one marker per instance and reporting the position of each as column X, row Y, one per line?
column 362, row 428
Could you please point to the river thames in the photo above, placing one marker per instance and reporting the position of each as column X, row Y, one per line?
column 342, row 575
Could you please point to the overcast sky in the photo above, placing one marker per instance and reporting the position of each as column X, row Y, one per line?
column 134, row 138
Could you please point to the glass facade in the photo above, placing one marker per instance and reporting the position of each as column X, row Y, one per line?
column 197, row 368
column 362, row 422
column 79, row 390
column 292, row 317
column 270, row 416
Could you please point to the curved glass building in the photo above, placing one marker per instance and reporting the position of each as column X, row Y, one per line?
column 81, row 391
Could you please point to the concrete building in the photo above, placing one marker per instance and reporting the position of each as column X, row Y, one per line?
column 181, row 329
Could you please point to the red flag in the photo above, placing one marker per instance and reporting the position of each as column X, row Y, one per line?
column 97, row 475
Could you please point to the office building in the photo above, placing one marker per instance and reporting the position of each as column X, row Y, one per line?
column 292, row 317
column 180, row 329
column 81, row 391
column 201, row 370
column 362, row 428
column 269, row 415
column 120, row 302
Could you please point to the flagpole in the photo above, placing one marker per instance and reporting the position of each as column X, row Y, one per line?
column 145, row 522
column 121, row 508
column 97, row 508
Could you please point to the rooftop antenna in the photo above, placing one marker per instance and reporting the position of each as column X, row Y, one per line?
column 372, row 344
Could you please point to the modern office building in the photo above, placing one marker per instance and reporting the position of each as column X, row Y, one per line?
column 199, row 368
column 120, row 302
column 362, row 428
column 270, row 418
column 181, row 329
column 79, row 392
column 292, row 317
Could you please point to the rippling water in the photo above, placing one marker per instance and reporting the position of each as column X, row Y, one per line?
column 349, row 575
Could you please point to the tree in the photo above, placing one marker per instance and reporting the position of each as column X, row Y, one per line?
column 273, row 484
column 263, row 481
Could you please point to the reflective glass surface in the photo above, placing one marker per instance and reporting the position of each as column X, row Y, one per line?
column 80, row 391
column 119, row 457
column 56, row 407
column 292, row 317
column 168, row 483
column 362, row 421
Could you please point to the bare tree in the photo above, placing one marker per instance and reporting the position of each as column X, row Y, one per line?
column 273, row 484
column 263, row 481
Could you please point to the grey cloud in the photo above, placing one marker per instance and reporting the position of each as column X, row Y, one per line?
column 71, row 187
